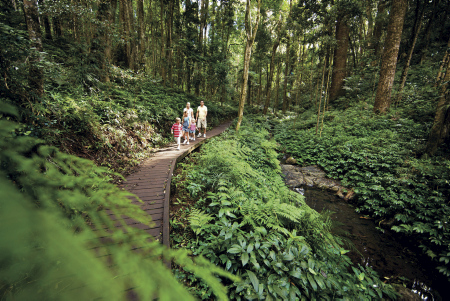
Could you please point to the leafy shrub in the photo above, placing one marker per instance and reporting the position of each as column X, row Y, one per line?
column 377, row 157
column 248, row 222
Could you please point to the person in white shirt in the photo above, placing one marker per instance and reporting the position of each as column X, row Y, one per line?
column 190, row 113
column 202, row 112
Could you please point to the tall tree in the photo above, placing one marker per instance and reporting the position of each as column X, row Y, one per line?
column 390, row 53
column 272, row 67
column 428, row 30
column 414, row 35
column 250, row 31
column 340, row 55
column 36, row 74
column 375, row 39
column 441, row 125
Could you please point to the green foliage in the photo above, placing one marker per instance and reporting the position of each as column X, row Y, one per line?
column 248, row 222
column 58, row 241
column 377, row 157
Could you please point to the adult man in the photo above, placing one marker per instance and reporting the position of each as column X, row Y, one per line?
column 202, row 111
column 189, row 110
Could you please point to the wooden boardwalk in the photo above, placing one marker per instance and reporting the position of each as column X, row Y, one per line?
column 151, row 183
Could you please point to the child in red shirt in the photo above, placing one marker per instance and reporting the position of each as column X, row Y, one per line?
column 176, row 131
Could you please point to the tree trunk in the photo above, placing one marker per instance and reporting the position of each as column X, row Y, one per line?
column 169, row 50
column 163, row 52
column 111, row 21
column 100, row 40
column 320, row 96
column 409, row 57
column 441, row 126
column 132, row 39
column 340, row 58
column 250, row 38
column 47, row 25
column 36, row 74
column 390, row 53
column 375, row 43
column 141, row 34
column 272, row 66
column 277, row 87
column 57, row 27
column 369, row 7
column 124, row 19
column 428, row 31
column 286, row 75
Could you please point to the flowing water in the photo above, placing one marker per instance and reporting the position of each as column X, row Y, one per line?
column 384, row 252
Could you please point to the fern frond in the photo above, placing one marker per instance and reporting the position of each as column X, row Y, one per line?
column 198, row 220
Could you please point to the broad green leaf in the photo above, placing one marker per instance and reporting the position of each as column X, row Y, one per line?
column 312, row 282
column 244, row 258
column 253, row 279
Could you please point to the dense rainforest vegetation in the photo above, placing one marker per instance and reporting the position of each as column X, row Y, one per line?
column 90, row 88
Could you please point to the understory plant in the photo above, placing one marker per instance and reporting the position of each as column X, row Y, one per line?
column 379, row 157
column 248, row 222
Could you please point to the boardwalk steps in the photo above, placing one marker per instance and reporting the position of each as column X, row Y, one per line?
column 151, row 183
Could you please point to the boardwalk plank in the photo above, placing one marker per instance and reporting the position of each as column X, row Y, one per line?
column 151, row 183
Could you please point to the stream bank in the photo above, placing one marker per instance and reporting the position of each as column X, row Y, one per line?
column 381, row 249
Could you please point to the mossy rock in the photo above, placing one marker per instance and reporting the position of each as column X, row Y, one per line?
column 291, row 160
column 405, row 293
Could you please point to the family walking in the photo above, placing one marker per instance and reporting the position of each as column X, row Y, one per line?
column 186, row 127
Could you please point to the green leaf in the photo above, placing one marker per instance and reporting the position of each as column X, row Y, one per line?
column 244, row 258
column 312, row 282
column 253, row 279
column 361, row 277
column 319, row 281
column 228, row 266
column 234, row 249
column 250, row 247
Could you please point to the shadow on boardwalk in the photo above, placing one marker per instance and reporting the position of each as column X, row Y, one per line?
column 151, row 183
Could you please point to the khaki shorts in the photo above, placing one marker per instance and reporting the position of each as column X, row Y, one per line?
column 200, row 123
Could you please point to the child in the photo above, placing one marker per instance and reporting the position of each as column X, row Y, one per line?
column 186, row 124
column 176, row 131
column 192, row 129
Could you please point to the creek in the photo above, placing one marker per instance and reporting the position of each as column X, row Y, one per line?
column 383, row 250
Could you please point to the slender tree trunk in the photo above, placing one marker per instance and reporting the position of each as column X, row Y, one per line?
column 277, row 87
column 340, row 58
column 141, row 33
column 320, row 97
column 163, row 52
column 443, row 65
column 286, row 75
column 390, row 53
column 428, row 31
column 36, row 74
column 47, row 25
column 369, row 7
column 124, row 16
column 111, row 21
column 409, row 57
column 270, row 78
column 169, row 42
column 100, row 40
column 440, row 131
column 250, row 38
column 375, row 42
column 57, row 26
